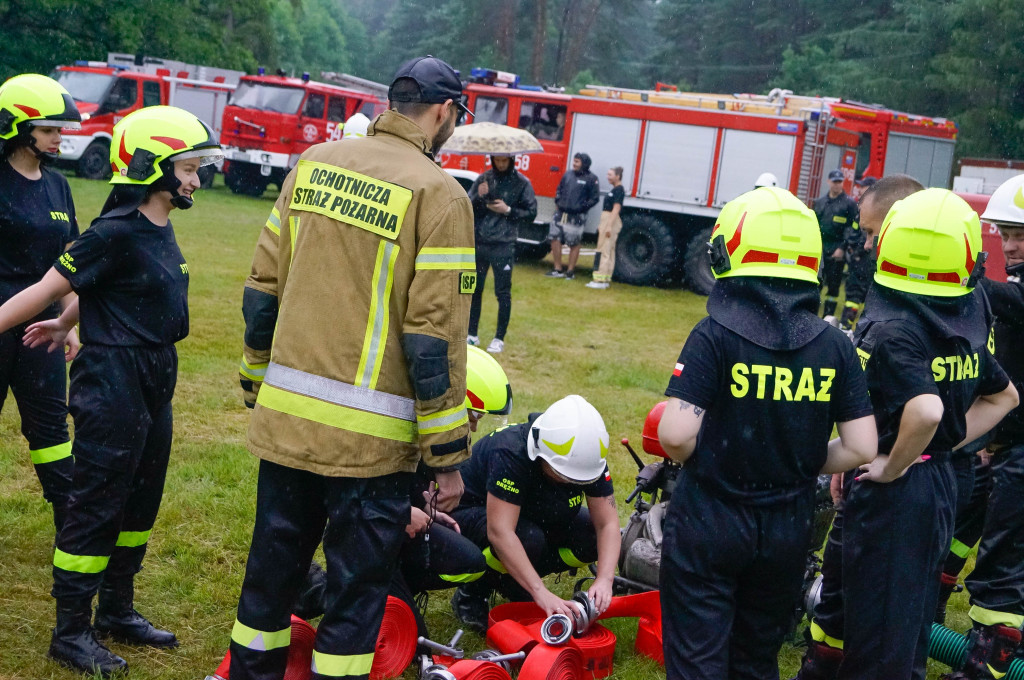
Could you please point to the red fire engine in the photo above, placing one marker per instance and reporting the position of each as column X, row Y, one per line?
column 107, row 91
column 686, row 154
column 272, row 119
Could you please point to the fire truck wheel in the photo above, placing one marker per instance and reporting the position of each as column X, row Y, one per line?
column 95, row 161
column 645, row 253
column 531, row 252
column 696, row 264
column 245, row 179
column 206, row 174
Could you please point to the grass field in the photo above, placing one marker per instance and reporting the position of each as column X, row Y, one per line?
column 615, row 347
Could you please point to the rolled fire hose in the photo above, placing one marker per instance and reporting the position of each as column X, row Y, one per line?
column 396, row 642
column 552, row 663
column 950, row 647
column 300, row 654
column 597, row 646
column 482, row 669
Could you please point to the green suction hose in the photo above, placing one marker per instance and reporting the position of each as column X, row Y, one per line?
column 948, row 647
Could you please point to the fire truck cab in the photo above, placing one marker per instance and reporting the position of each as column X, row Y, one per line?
column 685, row 155
column 272, row 119
column 107, row 91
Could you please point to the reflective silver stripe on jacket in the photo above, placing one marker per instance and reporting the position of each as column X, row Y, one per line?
column 343, row 394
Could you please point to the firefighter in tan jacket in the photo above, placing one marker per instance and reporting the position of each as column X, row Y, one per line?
column 361, row 281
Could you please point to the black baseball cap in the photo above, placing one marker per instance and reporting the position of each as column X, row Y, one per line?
column 865, row 181
column 835, row 176
column 437, row 80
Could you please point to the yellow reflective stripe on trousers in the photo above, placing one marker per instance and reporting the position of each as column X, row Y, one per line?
column 446, row 258
column 83, row 564
column 991, row 617
column 132, row 539
column 819, row 635
column 461, row 578
column 51, row 453
column 443, row 421
column 570, row 559
column 334, row 415
column 255, row 372
column 493, row 562
column 274, row 221
column 377, row 324
column 959, row 549
column 293, row 233
column 260, row 640
column 342, row 665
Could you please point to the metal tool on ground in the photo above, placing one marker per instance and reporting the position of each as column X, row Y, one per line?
column 447, row 650
column 503, row 660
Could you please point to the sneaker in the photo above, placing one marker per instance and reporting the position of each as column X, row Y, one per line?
column 471, row 610
column 473, row 340
column 570, row 275
column 597, row 284
column 555, row 274
column 496, row 347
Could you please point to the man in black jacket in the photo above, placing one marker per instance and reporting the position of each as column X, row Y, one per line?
column 837, row 214
column 502, row 199
column 577, row 193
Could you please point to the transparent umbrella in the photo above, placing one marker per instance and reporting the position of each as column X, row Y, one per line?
column 491, row 139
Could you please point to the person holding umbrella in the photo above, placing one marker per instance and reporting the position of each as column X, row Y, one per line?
column 503, row 198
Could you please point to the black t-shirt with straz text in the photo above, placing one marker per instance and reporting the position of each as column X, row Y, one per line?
column 903, row 360
column 131, row 280
column 616, row 195
column 769, row 413
column 501, row 466
column 37, row 221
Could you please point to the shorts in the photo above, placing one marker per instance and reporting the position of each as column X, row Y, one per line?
column 567, row 229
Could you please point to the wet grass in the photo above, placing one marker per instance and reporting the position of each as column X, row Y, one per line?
column 616, row 347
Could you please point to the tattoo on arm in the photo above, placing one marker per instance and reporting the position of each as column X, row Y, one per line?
column 685, row 405
column 611, row 501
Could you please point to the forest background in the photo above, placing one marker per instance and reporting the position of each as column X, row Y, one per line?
column 960, row 59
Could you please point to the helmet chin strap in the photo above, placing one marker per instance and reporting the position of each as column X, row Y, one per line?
column 169, row 182
column 41, row 155
column 1015, row 269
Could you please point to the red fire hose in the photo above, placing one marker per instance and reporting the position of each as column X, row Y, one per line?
column 647, row 608
column 468, row 669
column 396, row 642
column 552, row 663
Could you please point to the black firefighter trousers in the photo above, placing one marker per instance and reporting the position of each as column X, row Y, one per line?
column 39, row 383
column 730, row 579
column 892, row 539
column 121, row 403
column 365, row 523
column 997, row 583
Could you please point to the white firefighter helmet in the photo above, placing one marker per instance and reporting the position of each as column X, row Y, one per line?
column 766, row 179
column 356, row 126
column 1006, row 207
column 570, row 436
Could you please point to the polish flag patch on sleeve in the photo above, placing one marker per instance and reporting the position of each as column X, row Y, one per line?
column 678, row 370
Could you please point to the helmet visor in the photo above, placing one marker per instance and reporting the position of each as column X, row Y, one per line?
column 207, row 156
column 54, row 122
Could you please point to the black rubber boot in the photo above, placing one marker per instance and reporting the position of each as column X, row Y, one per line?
column 990, row 651
column 116, row 617
column 947, row 586
column 311, row 601
column 469, row 604
column 820, row 662
column 74, row 642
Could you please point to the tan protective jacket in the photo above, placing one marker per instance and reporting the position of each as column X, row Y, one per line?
column 366, row 267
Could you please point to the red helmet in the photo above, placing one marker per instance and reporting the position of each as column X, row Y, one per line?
column 652, row 444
